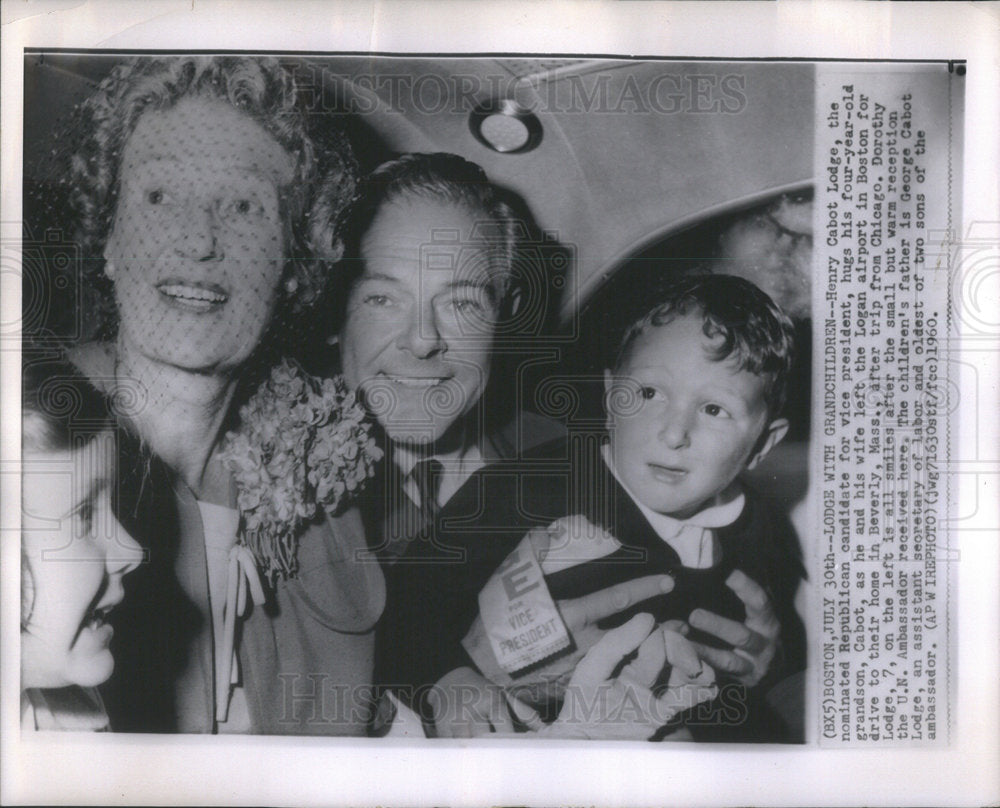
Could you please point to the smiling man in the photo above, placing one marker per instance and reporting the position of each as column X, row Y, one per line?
column 421, row 315
column 433, row 248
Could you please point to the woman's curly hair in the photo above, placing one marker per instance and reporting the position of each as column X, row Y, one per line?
column 325, row 169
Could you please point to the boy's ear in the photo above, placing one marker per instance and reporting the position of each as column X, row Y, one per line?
column 772, row 436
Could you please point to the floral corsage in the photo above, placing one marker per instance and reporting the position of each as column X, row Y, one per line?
column 303, row 444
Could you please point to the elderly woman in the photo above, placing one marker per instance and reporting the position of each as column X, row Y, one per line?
column 206, row 207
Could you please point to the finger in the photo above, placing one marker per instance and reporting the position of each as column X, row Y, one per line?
column 540, row 541
column 682, row 655
column 684, row 697
column 598, row 605
column 754, row 597
column 739, row 635
column 464, row 729
column 444, row 729
column 605, row 656
column 526, row 715
column 475, row 722
column 724, row 661
column 676, row 625
column 501, row 720
column 731, row 631
column 646, row 667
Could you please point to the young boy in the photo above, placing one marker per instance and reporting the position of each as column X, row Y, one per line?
column 693, row 399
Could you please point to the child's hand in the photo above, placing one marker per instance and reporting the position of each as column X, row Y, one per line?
column 466, row 705
column 625, row 707
column 755, row 642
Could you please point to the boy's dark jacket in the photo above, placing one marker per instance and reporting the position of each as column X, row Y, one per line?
column 433, row 587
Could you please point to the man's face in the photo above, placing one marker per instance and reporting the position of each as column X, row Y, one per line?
column 420, row 319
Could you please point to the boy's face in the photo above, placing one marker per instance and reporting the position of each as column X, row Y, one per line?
column 683, row 426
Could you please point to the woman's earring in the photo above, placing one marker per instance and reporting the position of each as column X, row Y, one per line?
column 291, row 286
column 109, row 269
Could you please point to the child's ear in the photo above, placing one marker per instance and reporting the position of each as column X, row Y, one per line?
column 608, row 381
column 772, row 436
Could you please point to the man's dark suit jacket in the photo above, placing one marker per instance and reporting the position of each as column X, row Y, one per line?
column 433, row 587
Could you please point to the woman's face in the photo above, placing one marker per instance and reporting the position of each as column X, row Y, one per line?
column 197, row 248
column 77, row 553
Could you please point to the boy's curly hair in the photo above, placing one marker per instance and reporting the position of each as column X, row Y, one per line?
column 753, row 329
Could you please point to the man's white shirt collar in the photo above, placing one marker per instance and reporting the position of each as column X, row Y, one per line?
column 693, row 539
column 456, row 468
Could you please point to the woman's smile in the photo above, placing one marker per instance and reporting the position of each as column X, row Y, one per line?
column 193, row 296
column 418, row 382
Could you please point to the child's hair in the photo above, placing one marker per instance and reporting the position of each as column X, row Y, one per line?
column 754, row 330
column 60, row 409
column 60, row 412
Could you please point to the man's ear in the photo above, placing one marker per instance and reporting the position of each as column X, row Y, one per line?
column 772, row 436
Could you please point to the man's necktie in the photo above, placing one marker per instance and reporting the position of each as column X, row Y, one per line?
column 426, row 474
column 406, row 520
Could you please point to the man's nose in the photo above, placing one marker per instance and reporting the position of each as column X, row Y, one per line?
column 675, row 431
column 200, row 240
column 422, row 334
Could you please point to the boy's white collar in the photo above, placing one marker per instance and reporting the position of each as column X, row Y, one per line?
column 692, row 538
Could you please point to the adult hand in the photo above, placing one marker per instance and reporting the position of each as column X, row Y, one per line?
column 755, row 641
column 467, row 705
column 581, row 615
column 625, row 707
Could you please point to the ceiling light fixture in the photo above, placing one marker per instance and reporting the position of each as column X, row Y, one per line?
column 505, row 126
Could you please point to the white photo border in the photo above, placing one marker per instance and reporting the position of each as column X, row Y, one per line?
column 303, row 771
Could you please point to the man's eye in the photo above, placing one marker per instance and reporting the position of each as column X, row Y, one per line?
column 650, row 393
column 467, row 305
column 378, row 301
column 715, row 411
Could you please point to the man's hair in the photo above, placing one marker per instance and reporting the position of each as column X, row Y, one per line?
column 754, row 331
column 325, row 168
column 439, row 177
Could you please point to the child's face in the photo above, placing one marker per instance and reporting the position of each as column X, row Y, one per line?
column 77, row 553
column 681, row 425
